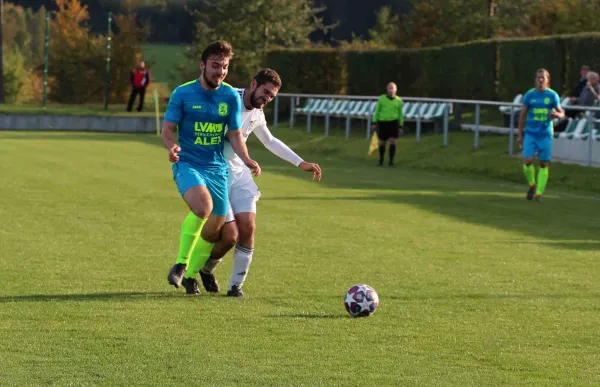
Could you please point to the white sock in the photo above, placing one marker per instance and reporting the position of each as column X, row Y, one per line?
column 242, row 257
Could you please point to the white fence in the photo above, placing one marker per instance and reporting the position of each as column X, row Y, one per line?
column 563, row 149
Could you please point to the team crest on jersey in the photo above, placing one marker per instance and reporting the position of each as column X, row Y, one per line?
column 223, row 109
column 547, row 101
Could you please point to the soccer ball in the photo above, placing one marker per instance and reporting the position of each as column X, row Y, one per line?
column 361, row 301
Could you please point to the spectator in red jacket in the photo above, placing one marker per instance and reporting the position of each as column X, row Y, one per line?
column 140, row 79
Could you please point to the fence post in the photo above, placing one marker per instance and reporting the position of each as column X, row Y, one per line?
column 348, row 124
column 292, row 108
column 107, row 82
column 327, row 117
column 156, row 111
column 276, row 111
column 591, row 139
column 418, row 134
column 477, row 112
column 446, row 126
column 308, row 122
column 369, row 127
column 511, row 134
column 46, row 46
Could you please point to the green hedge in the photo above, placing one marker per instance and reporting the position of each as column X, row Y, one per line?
column 370, row 71
column 519, row 59
column 322, row 71
column 490, row 70
column 466, row 71
column 581, row 50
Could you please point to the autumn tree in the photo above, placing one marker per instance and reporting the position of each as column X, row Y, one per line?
column 439, row 22
column 252, row 28
column 127, row 48
column 76, row 58
column 386, row 26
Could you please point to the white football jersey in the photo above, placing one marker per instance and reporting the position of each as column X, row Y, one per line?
column 251, row 119
column 254, row 121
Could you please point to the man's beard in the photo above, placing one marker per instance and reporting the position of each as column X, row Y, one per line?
column 254, row 101
column 208, row 81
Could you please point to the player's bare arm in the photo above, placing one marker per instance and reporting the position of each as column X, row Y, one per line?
column 558, row 112
column 311, row 167
column 240, row 149
column 522, row 120
column 169, row 140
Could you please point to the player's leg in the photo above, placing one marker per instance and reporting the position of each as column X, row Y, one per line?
column 244, row 196
column 544, row 155
column 529, row 149
column 131, row 99
column 244, row 250
column 192, row 187
column 227, row 240
column 211, row 231
column 141, row 102
column 382, row 133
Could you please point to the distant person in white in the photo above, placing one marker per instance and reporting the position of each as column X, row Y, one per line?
column 243, row 193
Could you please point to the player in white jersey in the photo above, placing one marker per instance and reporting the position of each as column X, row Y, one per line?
column 243, row 192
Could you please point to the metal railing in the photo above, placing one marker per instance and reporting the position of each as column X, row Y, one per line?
column 514, row 108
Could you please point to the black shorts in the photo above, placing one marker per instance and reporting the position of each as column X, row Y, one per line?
column 388, row 129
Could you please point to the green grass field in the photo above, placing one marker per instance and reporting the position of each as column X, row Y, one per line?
column 478, row 287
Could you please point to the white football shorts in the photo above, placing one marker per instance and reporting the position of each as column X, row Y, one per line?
column 243, row 194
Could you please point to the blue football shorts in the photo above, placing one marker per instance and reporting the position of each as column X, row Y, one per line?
column 187, row 176
column 542, row 145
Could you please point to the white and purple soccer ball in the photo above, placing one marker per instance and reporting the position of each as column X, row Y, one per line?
column 361, row 301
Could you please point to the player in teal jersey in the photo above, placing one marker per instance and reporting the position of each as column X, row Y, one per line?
column 202, row 109
column 540, row 106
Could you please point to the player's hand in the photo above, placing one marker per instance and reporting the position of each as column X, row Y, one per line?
column 254, row 167
column 310, row 167
column 555, row 114
column 400, row 132
column 520, row 141
column 373, row 126
column 173, row 153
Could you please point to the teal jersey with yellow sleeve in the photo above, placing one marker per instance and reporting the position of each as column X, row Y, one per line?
column 202, row 116
column 539, row 106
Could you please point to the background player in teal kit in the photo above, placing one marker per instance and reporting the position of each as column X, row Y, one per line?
column 540, row 106
column 203, row 108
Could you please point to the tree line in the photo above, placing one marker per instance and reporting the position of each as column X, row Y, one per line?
column 77, row 52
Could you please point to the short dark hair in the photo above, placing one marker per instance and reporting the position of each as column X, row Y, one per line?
column 218, row 48
column 585, row 67
column 264, row 76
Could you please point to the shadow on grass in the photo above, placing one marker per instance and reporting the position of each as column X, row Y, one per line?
column 560, row 221
column 564, row 224
column 492, row 296
column 309, row 315
column 118, row 296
